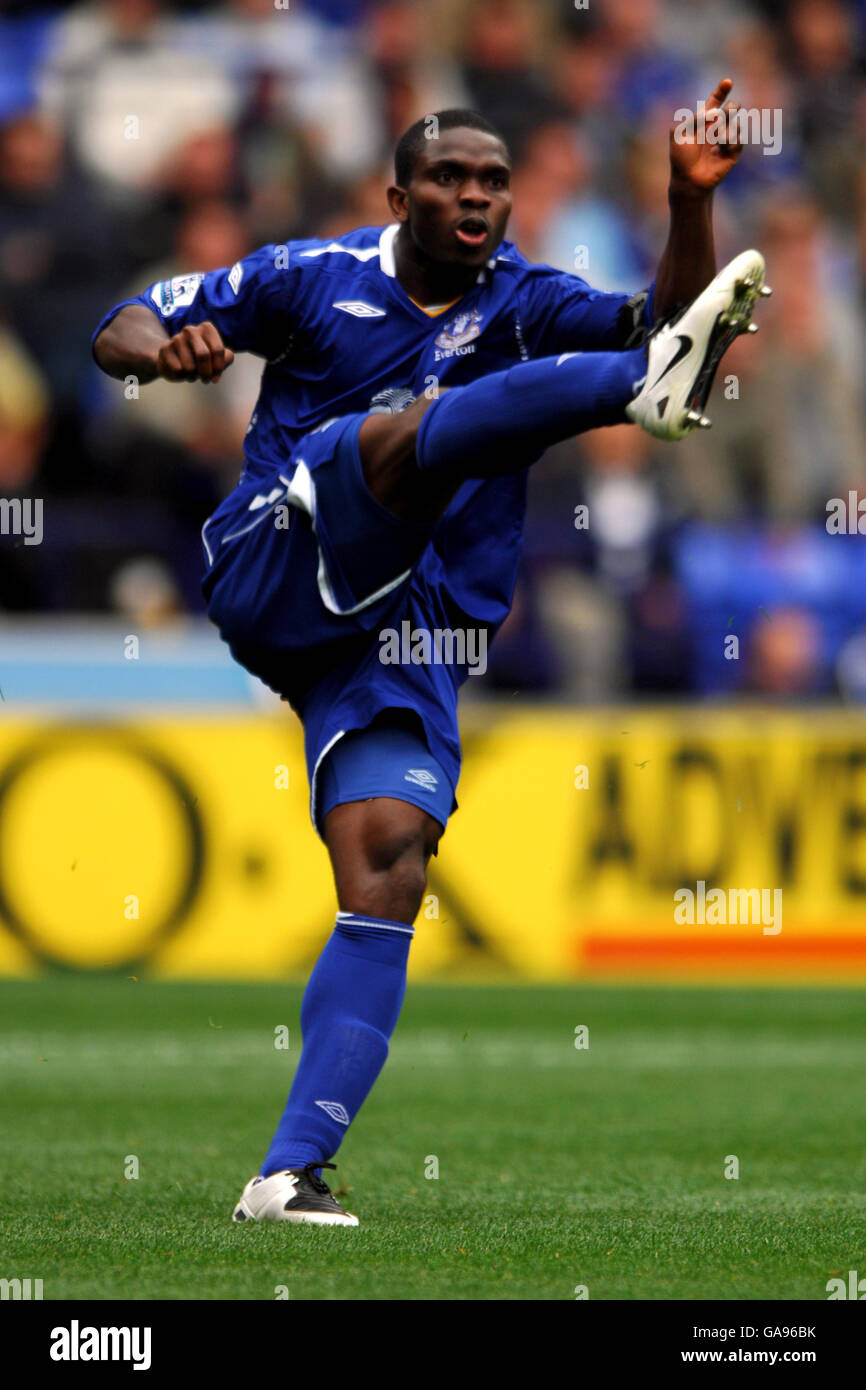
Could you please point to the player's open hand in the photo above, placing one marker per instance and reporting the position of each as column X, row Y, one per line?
column 704, row 154
column 196, row 353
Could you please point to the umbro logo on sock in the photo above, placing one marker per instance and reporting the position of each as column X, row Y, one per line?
column 336, row 1111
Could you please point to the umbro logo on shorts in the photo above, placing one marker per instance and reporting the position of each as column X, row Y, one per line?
column 336, row 1111
column 422, row 778
column 359, row 309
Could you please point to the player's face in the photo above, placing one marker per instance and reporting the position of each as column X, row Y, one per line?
column 459, row 198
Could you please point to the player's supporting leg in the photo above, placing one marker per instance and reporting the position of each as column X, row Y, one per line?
column 379, row 849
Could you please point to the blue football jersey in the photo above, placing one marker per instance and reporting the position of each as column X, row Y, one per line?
column 337, row 331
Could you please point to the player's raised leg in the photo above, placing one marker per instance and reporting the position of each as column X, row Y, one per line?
column 507, row 420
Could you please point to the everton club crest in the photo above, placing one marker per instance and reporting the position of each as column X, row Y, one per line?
column 457, row 334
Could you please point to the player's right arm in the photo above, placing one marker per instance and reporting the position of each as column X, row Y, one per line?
column 136, row 344
column 189, row 328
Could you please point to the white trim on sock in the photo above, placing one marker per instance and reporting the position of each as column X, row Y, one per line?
column 356, row 919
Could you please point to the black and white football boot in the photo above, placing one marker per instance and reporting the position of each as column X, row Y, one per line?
column 295, row 1195
column 685, row 350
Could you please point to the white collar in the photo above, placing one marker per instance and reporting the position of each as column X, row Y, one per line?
column 386, row 249
column 386, row 254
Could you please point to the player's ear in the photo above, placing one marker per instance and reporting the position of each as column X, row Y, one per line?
column 398, row 202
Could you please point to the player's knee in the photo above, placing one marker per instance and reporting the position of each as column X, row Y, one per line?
column 395, row 893
column 390, row 466
column 400, row 893
column 395, row 841
column 397, row 849
column 387, row 448
column 384, row 874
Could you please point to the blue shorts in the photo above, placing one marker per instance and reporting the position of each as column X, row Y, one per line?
column 384, row 760
column 305, row 571
column 305, row 559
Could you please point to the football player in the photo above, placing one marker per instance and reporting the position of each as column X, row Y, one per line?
column 413, row 373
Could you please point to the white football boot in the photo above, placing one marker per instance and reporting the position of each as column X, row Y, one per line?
column 684, row 351
column 295, row 1195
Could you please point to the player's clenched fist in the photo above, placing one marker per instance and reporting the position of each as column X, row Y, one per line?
column 196, row 353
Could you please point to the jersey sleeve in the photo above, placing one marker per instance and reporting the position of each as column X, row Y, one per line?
column 250, row 303
column 562, row 313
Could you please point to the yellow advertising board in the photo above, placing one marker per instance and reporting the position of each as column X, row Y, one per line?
column 604, row 844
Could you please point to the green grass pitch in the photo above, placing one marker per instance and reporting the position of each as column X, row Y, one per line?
column 558, row 1166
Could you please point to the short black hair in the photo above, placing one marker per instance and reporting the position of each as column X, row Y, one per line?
column 414, row 140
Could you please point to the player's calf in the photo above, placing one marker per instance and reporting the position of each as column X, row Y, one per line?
column 504, row 422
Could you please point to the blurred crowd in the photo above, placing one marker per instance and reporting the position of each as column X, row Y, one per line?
column 141, row 139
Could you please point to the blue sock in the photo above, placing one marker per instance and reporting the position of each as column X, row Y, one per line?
column 505, row 421
column 349, row 1011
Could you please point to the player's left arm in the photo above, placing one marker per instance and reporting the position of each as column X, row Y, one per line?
column 562, row 313
column 698, row 166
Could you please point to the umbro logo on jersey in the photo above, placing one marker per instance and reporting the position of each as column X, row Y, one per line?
column 358, row 309
column 336, row 1111
column 422, row 778
column 236, row 274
